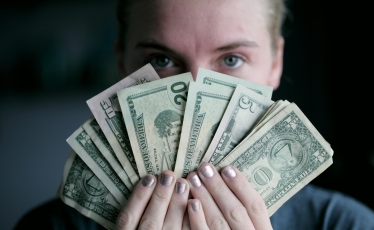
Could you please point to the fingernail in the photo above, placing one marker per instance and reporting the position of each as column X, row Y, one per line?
column 148, row 181
column 195, row 205
column 166, row 179
column 180, row 187
column 195, row 181
column 229, row 172
column 207, row 171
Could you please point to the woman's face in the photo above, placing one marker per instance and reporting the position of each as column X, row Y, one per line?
column 179, row 36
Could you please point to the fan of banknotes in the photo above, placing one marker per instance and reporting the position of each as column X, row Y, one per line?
column 145, row 125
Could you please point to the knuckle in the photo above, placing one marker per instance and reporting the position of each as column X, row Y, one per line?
column 218, row 223
column 258, row 206
column 160, row 196
column 238, row 213
column 217, row 187
column 125, row 220
column 148, row 224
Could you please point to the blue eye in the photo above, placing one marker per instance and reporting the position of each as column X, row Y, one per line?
column 161, row 61
column 232, row 61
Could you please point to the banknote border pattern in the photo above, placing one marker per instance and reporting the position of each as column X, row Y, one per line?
column 187, row 169
column 233, row 114
column 286, row 184
column 107, row 168
column 208, row 80
column 133, row 116
column 84, row 202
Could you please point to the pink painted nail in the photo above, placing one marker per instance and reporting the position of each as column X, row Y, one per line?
column 180, row 188
column 229, row 172
column 207, row 171
column 148, row 181
column 195, row 181
column 195, row 205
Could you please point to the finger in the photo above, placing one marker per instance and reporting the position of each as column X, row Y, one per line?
column 186, row 221
column 177, row 206
column 132, row 212
column 154, row 215
column 196, row 215
column 233, row 210
column 213, row 215
column 248, row 196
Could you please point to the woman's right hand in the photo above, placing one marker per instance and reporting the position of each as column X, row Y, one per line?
column 156, row 203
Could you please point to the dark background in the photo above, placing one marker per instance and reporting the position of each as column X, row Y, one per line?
column 54, row 55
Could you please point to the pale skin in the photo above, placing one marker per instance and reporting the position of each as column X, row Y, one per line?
column 230, row 37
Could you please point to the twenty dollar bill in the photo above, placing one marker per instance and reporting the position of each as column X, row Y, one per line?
column 153, row 114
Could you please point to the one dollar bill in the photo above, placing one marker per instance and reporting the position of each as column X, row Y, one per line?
column 82, row 190
column 204, row 110
column 82, row 144
column 97, row 136
column 153, row 114
column 107, row 112
column 281, row 157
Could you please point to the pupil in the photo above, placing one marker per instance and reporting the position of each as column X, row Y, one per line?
column 163, row 61
column 231, row 61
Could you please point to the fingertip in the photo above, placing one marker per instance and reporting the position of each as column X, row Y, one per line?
column 181, row 186
column 229, row 172
column 194, row 180
column 196, row 215
column 207, row 170
column 194, row 205
column 148, row 181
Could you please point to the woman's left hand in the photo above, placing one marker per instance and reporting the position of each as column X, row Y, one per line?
column 225, row 202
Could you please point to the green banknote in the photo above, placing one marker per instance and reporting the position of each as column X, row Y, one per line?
column 82, row 144
column 212, row 78
column 204, row 110
column 153, row 114
column 282, row 157
column 270, row 113
column 107, row 112
column 82, row 190
column 97, row 136
column 245, row 108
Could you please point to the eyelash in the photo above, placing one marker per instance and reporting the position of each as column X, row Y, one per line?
column 220, row 60
column 240, row 57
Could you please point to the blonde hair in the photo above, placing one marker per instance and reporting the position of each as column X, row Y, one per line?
column 276, row 12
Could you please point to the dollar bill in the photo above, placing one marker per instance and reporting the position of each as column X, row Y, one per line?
column 209, row 77
column 82, row 144
column 97, row 136
column 281, row 157
column 204, row 110
column 270, row 113
column 82, row 190
column 245, row 108
column 153, row 114
column 107, row 112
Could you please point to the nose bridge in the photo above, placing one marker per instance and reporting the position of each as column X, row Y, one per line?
column 194, row 65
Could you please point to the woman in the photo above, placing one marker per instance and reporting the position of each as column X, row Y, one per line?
column 239, row 38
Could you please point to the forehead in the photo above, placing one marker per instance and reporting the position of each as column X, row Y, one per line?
column 195, row 21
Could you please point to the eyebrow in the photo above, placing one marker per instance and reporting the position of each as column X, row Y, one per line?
column 154, row 45
column 237, row 44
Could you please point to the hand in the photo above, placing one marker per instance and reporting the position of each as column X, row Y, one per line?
column 155, row 204
column 225, row 202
